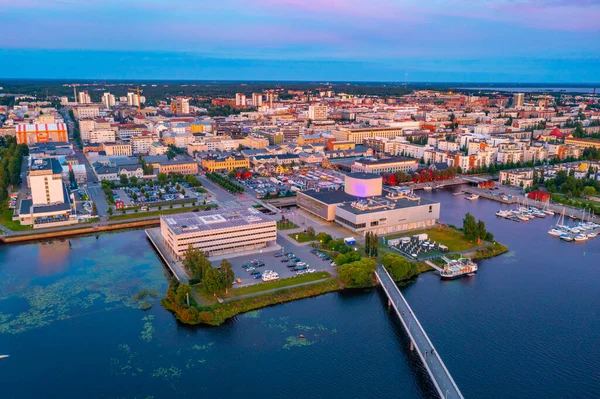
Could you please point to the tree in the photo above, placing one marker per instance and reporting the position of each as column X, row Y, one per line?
column 133, row 180
column 110, row 210
column 589, row 191
column 348, row 257
column 227, row 275
column 94, row 209
column 123, row 179
column 470, row 227
column 195, row 263
column 310, row 231
column 358, row 274
column 162, row 178
column 212, row 281
column 324, row 238
column 399, row 267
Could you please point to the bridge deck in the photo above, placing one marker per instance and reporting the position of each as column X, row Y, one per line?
column 440, row 376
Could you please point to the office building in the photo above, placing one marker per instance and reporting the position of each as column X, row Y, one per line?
column 102, row 136
column 240, row 100
column 180, row 106
column 385, row 165
column 83, row 98
column 218, row 232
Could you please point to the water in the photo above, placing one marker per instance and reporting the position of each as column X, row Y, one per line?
column 526, row 326
column 555, row 90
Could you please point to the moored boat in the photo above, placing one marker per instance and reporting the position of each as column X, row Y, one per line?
column 566, row 237
column 472, row 197
column 458, row 268
column 581, row 238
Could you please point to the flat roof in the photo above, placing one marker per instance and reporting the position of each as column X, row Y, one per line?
column 330, row 197
column 400, row 203
column 383, row 161
column 363, row 175
column 217, row 219
column 49, row 164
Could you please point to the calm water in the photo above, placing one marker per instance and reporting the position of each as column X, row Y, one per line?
column 526, row 326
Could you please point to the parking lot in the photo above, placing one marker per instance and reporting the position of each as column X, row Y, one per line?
column 150, row 194
column 273, row 261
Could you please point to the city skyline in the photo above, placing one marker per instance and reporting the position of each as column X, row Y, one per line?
column 496, row 41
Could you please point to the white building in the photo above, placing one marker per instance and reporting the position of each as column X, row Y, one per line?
column 218, row 232
column 257, row 100
column 108, row 100
column 240, row 100
column 83, row 98
column 102, row 136
column 317, row 112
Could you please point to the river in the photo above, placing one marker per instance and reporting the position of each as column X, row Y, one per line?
column 526, row 326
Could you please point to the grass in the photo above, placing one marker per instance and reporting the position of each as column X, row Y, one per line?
column 453, row 239
column 167, row 211
column 287, row 225
column 302, row 237
column 575, row 202
column 488, row 252
column 281, row 283
column 6, row 220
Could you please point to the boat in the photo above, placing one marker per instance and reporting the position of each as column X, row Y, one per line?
column 555, row 232
column 472, row 197
column 566, row 237
column 3, row 356
column 427, row 188
column 502, row 213
column 523, row 218
column 593, row 234
column 458, row 268
column 581, row 238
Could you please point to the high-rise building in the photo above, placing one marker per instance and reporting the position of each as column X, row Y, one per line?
column 240, row 100
column 257, row 100
column 132, row 99
column 84, row 97
column 518, row 100
column 108, row 100
column 45, row 180
column 180, row 106
column 317, row 112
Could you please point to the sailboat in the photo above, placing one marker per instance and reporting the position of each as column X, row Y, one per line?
column 559, row 229
column 547, row 210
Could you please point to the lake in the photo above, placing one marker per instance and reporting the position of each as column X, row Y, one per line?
column 526, row 326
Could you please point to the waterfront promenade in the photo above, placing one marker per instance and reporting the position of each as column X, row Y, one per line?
column 439, row 374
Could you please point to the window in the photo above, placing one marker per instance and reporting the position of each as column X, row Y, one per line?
column 430, row 208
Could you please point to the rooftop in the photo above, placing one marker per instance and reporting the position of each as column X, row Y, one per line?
column 382, row 161
column 213, row 220
column 381, row 204
column 45, row 164
column 330, row 197
column 362, row 175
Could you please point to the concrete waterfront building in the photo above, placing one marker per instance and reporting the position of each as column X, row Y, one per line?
column 385, row 165
column 317, row 112
column 218, row 232
column 364, row 206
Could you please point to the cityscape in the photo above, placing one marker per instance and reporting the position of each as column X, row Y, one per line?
column 351, row 225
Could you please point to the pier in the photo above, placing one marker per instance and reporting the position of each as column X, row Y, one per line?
column 439, row 374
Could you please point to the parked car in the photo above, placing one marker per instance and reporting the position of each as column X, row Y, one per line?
column 257, row 276
column 278, row 255
column 255, row 272
column 284, row 260
column 310, row 270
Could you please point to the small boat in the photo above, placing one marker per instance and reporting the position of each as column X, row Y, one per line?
column 472, row 197
column 566, row 237
column 471, row 274
column 555, row 232
column 581, row 238
column 502, row 213
column 523, row 218
column 548, row 212
column 3, row 356
column 593, row 234
column 427, row 188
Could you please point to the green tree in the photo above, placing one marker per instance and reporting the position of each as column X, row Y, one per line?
column 470, row 228
column 182, row 294
column 589, row 191
column 348, row 257
column 399, row 267
column 358, row 274
column 162, row 178
column 123, row 179
column 133, row 180
column 212, row 281
column 310, row 231
column 324, row 238
column 227, row 275
column 110, row 210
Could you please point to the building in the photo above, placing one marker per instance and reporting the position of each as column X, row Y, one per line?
column 86, row 112
column 180, row 106
column 132, row 99
column 227, row 163
column 84, row 98
column 117, row 149
column 357, row 135
column 517, row 177
column 108, row 100
column 317, row 112
column 385, row 165
column 141, row 144
column 218, row 232
column 240, row 100
column 41, row 133
column 79, row 171
column 364, row 207
column 49, row 204
column 181, row 166
column 518, row 100
column 583, row 143
column 257, row 100
column 102, row 136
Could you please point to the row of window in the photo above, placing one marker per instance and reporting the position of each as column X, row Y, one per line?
column 349, row 223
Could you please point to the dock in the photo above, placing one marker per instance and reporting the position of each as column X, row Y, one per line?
column 439, row 374
column 174, row 265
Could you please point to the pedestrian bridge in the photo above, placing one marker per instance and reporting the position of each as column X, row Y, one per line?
column 439, row 374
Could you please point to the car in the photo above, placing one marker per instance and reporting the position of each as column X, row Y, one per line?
column 257, row 276
column 251, row 268
column 313, row 251
column 333, row 264
column 284, row 260
column 310, row 270
column 289, row 253
column 301, row 272
column 278, row 255
column 254, row 272
column 326, row 257
column 259, row 264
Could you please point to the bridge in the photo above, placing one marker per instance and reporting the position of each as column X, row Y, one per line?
column 439, row 374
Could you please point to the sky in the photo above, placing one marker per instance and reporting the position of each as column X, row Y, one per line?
column 520, row 41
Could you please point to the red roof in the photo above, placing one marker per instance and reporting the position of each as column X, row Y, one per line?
column 557, row 133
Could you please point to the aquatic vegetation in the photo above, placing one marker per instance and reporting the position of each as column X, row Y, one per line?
column 148, row 329
column 510, row 257
column 167, row 373
column 253, row 314
column 304, row 328
column 203, row 347
column 296, row 341
column 99, row 277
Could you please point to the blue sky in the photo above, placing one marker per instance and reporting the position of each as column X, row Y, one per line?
column 550, row 41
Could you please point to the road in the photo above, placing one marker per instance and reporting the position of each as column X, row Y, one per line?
column 440, row 376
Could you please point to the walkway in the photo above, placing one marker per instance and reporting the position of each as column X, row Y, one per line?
column 440, row 376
